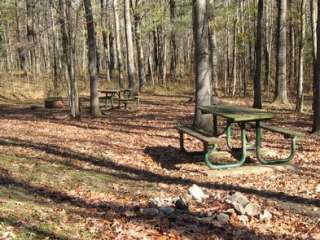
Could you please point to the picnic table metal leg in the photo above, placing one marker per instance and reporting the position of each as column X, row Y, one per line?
column 215, row 126
column 293, row 149
column 229, row 135
column 211, row 149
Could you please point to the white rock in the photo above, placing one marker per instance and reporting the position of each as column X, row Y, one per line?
column 318, row 188
column 239, row 208
column 266, row 216
column 237, row 197
column 197, row 193
column 252, row 209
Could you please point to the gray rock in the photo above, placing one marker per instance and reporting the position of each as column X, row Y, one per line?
column 161, row 202
column 239, row 208
column 197, row 193
column 206, row 220
column 223, row 218
column 181, row 204
column 167, row 210
column 230, row 211
column 237, row 197
column 243, row 218
column 252, row 209
column 266, row 216
column 149, row 212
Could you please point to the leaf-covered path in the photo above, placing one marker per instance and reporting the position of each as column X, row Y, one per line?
column 88, row 179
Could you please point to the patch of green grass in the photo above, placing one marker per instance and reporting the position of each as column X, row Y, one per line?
column 34, row 196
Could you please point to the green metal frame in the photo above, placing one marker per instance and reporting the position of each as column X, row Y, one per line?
column 211, row 149
column 293, row 148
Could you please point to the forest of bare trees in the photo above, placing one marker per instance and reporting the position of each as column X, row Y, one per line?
column 263, row 49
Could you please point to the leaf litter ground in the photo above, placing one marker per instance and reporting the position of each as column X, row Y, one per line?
column 68, row 179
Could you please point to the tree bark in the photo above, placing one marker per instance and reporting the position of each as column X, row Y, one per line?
column 92, row 56
column 316, row 97
column 202, row 64
column 118, row 45
column 258, row 49
column 299, row 105
column 281, row 62
column 129, row 45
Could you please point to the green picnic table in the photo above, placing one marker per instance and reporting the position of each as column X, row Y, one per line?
column 246, row 118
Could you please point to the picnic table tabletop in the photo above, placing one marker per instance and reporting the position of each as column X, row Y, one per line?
column 111, row 91
column 236, row 113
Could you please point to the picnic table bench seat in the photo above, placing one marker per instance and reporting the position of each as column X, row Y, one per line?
column 287, row 133
column 210, row 143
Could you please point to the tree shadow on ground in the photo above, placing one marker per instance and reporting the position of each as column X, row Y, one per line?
column 129, row 172
column 169, row 157
column 184, row 222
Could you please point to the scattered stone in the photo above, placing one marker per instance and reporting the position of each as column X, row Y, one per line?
column 181, row 204
column 217, row 224
column 197, row 193
column 265, row 216
column 239, row 208
column 243, row 219
column 167, row 210
column 223, row 218
column 230, row 211
column 161, row 202
column 318, row 188
column 216, row 195
column 237, row 197
column 149, row 212
column 207, row 220
column 252, row 209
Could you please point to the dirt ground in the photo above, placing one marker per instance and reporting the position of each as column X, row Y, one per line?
column 87, row 179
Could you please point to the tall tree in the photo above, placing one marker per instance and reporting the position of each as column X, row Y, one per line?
column 203, row 92
column 140, row 55
column 299, row 102
column 118, row 44
column 316, row 97
column 129, row 45
column 281, row 62
column 92, row 56
column 68, row 55
column 258, row 48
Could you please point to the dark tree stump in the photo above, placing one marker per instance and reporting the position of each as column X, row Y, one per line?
column 54, row 102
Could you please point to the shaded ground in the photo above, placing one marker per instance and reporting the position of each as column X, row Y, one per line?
column 67, row 179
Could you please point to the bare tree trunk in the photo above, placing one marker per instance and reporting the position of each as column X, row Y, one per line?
column 105, row 37
column 92, row 56
column 202, row 64
column 299, row 105
column 174, row 55
column 68, row 55
column 258, row 49
column 316, row 96
column 129, row 45
column 118, row 45
column 213, row 51
column 281, row 64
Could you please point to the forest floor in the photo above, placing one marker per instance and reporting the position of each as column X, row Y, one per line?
column 89, row 178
